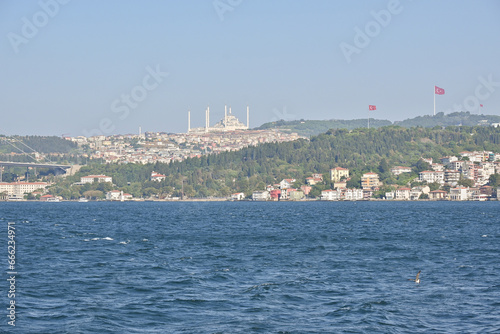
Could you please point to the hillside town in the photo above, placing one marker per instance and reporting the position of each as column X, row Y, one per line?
column 440, row 182
column 445, row 174
column 152, row 147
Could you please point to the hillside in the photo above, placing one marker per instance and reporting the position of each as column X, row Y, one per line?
column 315, row 127
column 250, row 169
column 42, row 144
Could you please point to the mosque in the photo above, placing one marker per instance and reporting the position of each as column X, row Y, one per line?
column 228, row 123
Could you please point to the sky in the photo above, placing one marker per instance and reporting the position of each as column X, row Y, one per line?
column 88, row 67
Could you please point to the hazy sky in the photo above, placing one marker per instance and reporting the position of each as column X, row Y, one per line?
column 87, row 66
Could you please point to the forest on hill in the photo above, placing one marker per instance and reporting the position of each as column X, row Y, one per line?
column 315, row 127
column 360, row 150
column 42, row 144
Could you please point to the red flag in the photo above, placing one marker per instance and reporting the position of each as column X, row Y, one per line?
column 481, row 105
column 370, row 107
column 438, row 91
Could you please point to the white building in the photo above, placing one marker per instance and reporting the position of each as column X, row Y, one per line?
column 99, row 178
column 286, row 183
column 400, row 170
column 459, row 194
column 330, row 195
column 18, row 189
column 157, row 176
column 430, row 176
column 262, row 195
column 353, row 194
column 402, row 194
column 117, row 195
column 237, row 196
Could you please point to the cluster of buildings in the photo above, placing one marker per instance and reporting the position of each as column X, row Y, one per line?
column 474, row 166
column 229, row 134
column 166, row 147
column 17, row 190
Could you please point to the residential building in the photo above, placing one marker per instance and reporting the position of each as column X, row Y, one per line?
column 353, row 194
column 457, row 165
column 18, row 189
column 389, row 195
column 451, row 177
column 318, row 176
column 117, row 195
column 416, row 192
column 295, row 195
column 237, row 196
column 340, row 185
column 99, row 178
column 275, row 194
column 400, row 170
column 306, row 189
column 337, row 173
column 446, row 160
column 330, row 195
column 459, row 194
column 402, row 194
column 428, row 160
column 157, row 176
column 430, row 176
column 313, row 180
column 286, row 183
column 438, row 194
column 370, row 181
column 437, row 167
column 262, row 195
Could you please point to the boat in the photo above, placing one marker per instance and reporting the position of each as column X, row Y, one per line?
column 83, row 200
column 53, row 199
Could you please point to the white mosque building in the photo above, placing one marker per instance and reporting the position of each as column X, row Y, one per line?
column 228, row 123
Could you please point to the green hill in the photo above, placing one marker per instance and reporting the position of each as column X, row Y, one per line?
column 42, row 144
column 252, row 168
column 315, row 127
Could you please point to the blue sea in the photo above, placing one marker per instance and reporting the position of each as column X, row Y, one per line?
column 245, row 267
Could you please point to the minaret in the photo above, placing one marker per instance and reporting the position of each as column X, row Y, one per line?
column 189, row 121
column 206, row 120
column 225, row 115
column 208, row 117
column 248, row 118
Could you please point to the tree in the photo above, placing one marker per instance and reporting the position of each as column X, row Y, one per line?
column 421, row 166
column 95, row 194
column 465, row 182
column 494, row 180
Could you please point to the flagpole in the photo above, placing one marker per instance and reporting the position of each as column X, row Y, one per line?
column 434, row 100
column 368, row 117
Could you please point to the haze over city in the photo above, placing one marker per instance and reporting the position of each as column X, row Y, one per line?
column 83, row 67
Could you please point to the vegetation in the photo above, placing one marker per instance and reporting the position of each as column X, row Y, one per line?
column 42, row 144
column 309, row 128
column 360, row 150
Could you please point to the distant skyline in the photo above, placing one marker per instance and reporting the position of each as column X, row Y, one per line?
column 88, row 67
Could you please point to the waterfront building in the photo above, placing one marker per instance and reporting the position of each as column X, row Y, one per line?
column 19, row 189
column 262, row 195
column 238, row 196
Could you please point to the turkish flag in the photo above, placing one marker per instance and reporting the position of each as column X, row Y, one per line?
column 481, row 105
column 438, row 91
column 370, row 107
